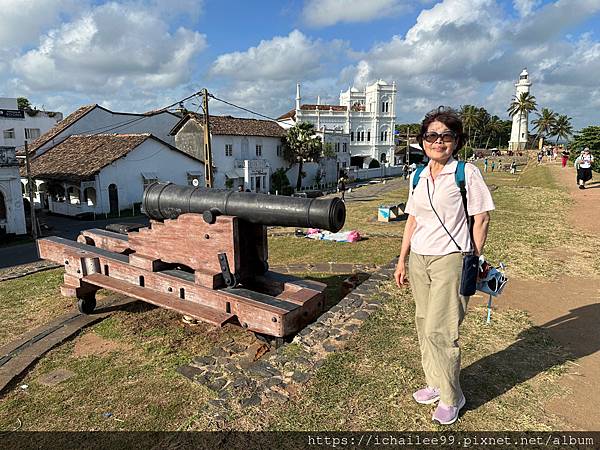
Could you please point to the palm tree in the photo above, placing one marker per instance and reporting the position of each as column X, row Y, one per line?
column 544, row 123
column 470, row 118
column 494, row 127
column 299, row 145
column 522, row 106
column 562, row 128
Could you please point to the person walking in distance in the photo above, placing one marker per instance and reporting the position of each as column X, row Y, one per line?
column 435, row 237
column 565, row 157
column 342, row 186
column 583, row 164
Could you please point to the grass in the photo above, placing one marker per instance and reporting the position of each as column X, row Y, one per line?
column 365, row 386
column 509, row 369
column 30, row 302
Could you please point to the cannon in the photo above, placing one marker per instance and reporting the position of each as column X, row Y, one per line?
column 204, row 255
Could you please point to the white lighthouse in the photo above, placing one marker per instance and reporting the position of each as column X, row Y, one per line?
column 520, row 121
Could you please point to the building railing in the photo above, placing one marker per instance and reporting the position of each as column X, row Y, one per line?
column 69, row 209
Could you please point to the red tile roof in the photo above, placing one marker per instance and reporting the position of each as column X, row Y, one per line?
column 235, row 126
column 80, row 157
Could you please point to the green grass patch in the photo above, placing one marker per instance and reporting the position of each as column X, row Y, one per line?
column 509, row 369
column 29, row 302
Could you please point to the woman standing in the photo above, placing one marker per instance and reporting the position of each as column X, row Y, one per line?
column 565, row 157
column 435, row 235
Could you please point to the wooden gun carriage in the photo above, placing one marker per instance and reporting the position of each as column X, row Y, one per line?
column 203, row 255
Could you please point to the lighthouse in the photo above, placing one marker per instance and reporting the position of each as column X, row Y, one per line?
column 520, row 121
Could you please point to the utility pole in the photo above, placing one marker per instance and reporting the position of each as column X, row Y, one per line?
column 34, row 230
column 407, row 159
column 208, row 175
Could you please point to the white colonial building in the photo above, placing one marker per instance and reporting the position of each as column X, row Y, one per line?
column 246, row 152
column 364, row 120
column 94, row 120
column 107, row 173
column 520, row 121
column 12, row 215
column 18, row 125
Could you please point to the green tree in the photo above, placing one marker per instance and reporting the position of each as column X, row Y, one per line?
column 544, row 123
column 493, row 129
column 301, row 145
column 470, row 116
column 588, row 137
column 328, row 151
column 23, row 103
column 521, row 106
column 562, row 128
column 280, row 182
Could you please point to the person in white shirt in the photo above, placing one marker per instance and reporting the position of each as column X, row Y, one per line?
column 435, row 236
column 583, row 164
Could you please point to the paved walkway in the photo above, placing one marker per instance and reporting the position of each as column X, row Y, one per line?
column 569, row 309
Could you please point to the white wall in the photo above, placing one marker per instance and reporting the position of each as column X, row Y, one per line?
column 225, row 164
column 150, row 156
column 41, row 120
column 10, row 185
column 100, row 121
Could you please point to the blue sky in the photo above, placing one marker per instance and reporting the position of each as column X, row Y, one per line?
column 138, row 55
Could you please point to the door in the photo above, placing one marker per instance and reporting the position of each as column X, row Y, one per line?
column 113, row 199
column 258, row 184
column 244, row 148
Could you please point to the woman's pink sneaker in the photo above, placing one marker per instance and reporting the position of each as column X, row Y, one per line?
column 445, row 414
column 427, row 395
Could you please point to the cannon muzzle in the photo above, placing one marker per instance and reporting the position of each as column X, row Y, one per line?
column 167, row 201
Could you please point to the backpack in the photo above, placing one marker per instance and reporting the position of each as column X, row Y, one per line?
column 459, row 178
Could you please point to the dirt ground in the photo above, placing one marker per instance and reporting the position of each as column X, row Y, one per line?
column 569, row 308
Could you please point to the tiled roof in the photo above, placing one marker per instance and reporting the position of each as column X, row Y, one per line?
column 80, row 157
column 308, row 107
column 236, row 126
column 60, row 126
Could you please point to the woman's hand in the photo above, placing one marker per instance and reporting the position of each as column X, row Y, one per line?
column 400, row 274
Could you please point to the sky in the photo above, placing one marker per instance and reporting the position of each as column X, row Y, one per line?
column 139, row 55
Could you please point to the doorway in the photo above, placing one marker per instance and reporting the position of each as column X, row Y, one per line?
column 113, row 199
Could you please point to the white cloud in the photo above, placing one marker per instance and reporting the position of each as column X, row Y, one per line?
column 282, row 58
column 459, row 51
column 525, row 7
column 108, row 48
column 322, row 13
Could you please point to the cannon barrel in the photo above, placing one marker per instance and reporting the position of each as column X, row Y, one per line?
column 169, row 200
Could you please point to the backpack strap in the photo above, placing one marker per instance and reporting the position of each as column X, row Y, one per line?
column 459, row 178
column 417, row 176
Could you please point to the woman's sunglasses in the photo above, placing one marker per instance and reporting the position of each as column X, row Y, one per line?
column 432, row 136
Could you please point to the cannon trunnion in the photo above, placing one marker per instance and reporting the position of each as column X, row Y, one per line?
column 205, row 264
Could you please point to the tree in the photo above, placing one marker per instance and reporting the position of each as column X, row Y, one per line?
column 280, row 182
column 23, row 103
column 521, row 106
column 588, row 137
column 300, row 145
column 493, row 128
column 562, row 128
column 544, row 123
column 470, row 116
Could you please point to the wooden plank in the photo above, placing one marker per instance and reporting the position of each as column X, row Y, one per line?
column 186, row 307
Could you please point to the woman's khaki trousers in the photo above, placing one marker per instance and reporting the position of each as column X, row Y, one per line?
column 440, row 309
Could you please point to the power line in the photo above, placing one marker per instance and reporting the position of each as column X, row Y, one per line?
column 242, row 108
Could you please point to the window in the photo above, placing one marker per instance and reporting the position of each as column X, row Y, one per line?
column 279, row 150
column 384, row 136
column 344, row 147
column 9, row 134
column 385, row 107
column 32, row 133
column 228, row 149
column 344, row 164
column 259, row 150
column 369, row 136
column 352, row 135
column 337, row 147
column 362, row 136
